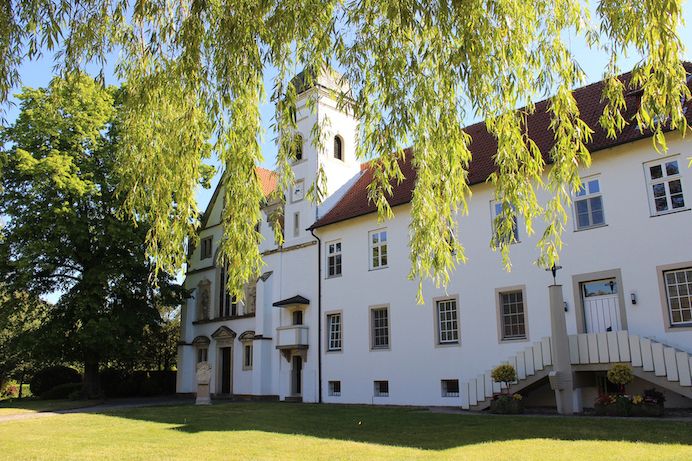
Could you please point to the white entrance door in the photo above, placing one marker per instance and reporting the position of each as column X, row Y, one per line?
column 601, row 306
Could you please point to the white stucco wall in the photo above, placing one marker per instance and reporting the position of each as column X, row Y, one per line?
column 633, row 242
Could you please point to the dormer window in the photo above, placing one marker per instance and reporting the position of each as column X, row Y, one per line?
column 338, row 148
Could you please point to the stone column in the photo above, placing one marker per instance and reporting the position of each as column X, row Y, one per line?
column 561, row 380
column 203, row 378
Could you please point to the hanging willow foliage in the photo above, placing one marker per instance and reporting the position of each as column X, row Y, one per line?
column 417, row 70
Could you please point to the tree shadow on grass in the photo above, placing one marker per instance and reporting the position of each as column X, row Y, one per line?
column 406, row 427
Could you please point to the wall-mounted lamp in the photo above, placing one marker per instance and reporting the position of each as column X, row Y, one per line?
column 633, row 297
column 566, row 306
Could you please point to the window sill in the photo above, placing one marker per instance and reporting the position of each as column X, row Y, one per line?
column 377, row 349
column 332, row 277
column 378, row 268
column 450, row 344
column 582, row 229
column 514, row 340
column 679, row 327
column 451, row 396
column 334, row 351
column 666, row 213
column 223, row 319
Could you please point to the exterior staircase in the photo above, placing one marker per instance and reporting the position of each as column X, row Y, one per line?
column 662, row 365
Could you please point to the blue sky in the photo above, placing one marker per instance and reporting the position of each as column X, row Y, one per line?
column 38, row 73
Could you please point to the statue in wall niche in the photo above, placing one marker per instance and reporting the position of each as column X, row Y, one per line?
column 250, row 298
column 203, row 376
column 203, row 299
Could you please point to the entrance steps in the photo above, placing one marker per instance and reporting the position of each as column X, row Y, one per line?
column 653, row 361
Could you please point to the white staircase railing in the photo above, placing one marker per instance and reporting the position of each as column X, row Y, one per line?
column 587, row 349
column 530, row 362
column 619, row 346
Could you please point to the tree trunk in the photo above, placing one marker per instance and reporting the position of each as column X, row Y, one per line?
column 91, row 386
column 21, row 386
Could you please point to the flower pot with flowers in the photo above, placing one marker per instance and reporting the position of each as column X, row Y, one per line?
column 619, row 404
column 505, row 402
column 649, row 404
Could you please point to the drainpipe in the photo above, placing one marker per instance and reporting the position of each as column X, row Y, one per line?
column 319, row 315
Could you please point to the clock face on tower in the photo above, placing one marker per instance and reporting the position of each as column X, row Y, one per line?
column 298, row 191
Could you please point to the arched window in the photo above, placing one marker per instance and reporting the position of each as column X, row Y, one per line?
column 298, row 147
column 338, row 148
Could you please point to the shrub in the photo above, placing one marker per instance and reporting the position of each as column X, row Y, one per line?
column 62, row 391
column 504, row 373
column 50, row 377
column 10, row 390
column 653, row 396
column 620, row 374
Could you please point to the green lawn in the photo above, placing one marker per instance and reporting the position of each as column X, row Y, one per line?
column 17, row 407
column 294, row 431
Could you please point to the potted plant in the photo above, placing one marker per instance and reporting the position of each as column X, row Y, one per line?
column 619, row 404
column 649, row 404
column 504, row 402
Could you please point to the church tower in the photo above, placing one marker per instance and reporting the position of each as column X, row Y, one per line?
column 336, row 157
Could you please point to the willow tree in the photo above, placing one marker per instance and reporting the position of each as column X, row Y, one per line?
column 417, row 70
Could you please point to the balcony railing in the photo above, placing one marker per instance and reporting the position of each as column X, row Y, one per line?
column 290, row 337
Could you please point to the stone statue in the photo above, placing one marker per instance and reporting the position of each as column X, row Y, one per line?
column 203, row 377
column 203, row 299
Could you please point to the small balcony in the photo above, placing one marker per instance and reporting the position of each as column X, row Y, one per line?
column 292, row 337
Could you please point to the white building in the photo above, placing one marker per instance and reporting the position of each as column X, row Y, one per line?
column 334, row 317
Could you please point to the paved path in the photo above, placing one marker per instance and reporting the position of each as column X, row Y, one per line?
column 98, row 408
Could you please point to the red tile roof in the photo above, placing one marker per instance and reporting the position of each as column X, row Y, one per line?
column 484, row 145
column 268, row 180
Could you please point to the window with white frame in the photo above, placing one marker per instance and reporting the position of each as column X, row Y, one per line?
column 512, row 315
column 380, row 327
column 334, row 259
column 296, row 224
column 450, row 388
column 679, row 294
column 205, row 250
column 378, row 249
column 447, row 321
column 334, row 332
column 381, row 388
column 202, row 354
column 228, row 307
column 247, row 355
column 335, row 388
column 664, row 186
column 499, row 211
column 588, row 205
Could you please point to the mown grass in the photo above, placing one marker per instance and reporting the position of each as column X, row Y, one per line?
column 275, row 431
column 10, row 407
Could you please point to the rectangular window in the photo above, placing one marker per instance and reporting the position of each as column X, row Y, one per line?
column 512, row 315
column 247, row 356
column 228, row 307
column 447, row 321
column 206, row 248
column 378, row 249
column 498, row 217
column 679, row 295
column 450, row 388
column 380, row 327
column 296, row 224
column 202, row 354
column 381, row 388
column 333, row 259
column 664, row 186
column 298, row 317
column 334, row 332
column 335, row 388
column 588, row 205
